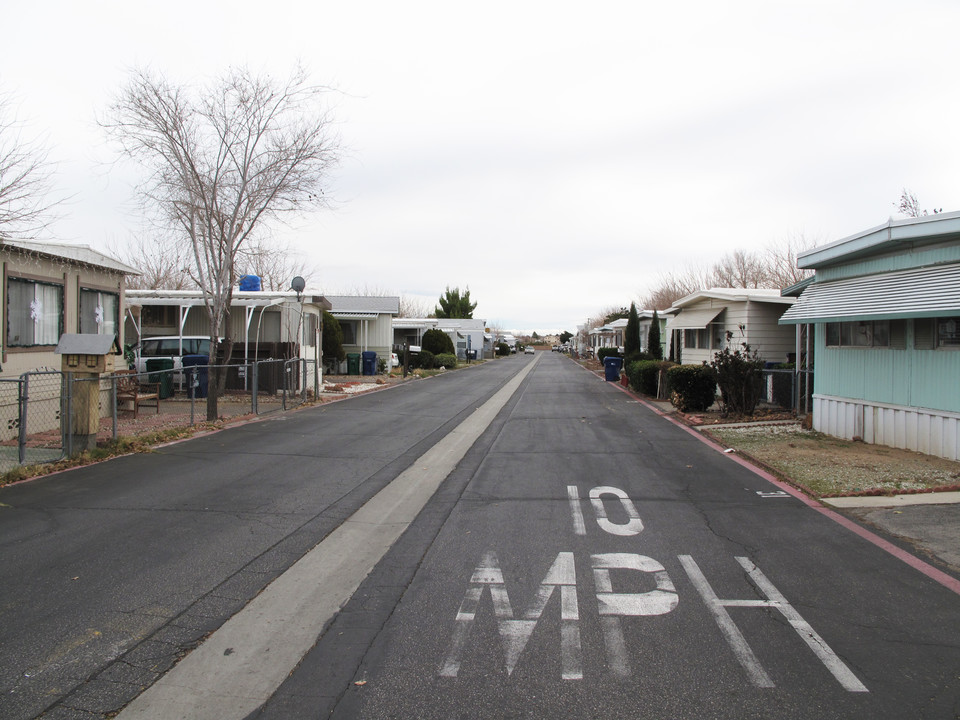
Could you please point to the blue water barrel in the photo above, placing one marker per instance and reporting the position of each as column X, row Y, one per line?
column 250, row 283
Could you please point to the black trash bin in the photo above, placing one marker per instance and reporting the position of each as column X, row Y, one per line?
column 611, row 368
column 369, row 362
column 161, row 370
column 197, row 372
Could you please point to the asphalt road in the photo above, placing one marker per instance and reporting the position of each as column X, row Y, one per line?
column 584, row 558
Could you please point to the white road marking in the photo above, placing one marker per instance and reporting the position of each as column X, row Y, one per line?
column 828, row 657
column 633, row 526
column 515, row 633
column 741, row 649
column 776, row 601
column 613, row 605
column 579, row 528
column 275, row 630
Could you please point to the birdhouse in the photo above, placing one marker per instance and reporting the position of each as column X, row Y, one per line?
column 86, row 353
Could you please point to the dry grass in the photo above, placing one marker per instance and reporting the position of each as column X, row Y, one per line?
column 827, row 466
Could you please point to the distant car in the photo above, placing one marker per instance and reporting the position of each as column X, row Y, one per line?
column 529, row 350
column 169, row 347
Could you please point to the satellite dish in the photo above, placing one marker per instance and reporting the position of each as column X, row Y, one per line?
column 297, row 285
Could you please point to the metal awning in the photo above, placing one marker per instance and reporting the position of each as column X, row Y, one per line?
column 921, row 292
column 693, row 319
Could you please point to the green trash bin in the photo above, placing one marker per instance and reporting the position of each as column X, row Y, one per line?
column 157, row 366
column 353, row 363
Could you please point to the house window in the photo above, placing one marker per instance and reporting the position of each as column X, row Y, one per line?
column 697, row 339
column 349, row 330
column 311, row 328
column 99, row 312
column 34, row 313
column 867, row 333
column 948, row 332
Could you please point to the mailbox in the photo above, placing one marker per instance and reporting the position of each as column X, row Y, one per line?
column 84, row 356
column 85, row 353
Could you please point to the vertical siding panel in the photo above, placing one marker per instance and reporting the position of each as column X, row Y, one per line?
column 951, row 438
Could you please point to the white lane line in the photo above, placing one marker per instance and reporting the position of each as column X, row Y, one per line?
column 239, row 667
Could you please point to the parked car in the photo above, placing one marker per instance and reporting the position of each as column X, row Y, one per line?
column 394, row 360
column 169, row 347
column 529, row 350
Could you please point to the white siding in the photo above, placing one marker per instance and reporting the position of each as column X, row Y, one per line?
column 932, row 432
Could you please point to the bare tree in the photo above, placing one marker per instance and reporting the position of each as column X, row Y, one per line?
column 275, row 265
column 672, row 286
column 413, row 307
column 740, row 269
column 222, row 162
column 160, row 260
column 780, row 259
column 910, row 206
column 24, row 178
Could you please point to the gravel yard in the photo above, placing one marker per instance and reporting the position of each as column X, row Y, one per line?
column 828, row 466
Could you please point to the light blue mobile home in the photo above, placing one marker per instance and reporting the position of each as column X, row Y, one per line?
column 885, row 305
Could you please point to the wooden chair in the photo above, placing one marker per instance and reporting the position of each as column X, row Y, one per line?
column 131, row 389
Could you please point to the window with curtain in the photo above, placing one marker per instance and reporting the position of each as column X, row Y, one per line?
column 349, row 330
column 34, row 313
column 99, row 312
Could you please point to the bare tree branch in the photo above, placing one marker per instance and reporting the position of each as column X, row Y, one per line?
column 222, row 162
column 25, row 178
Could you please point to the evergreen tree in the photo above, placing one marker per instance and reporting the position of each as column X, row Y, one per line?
column 631, row 335
column 454, row 305
column 332, row 339
column 437, row 342
column 653, row 339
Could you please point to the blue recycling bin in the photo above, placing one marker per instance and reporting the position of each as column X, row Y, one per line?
column 196, row 367
column 611, row 368
column 369, row 362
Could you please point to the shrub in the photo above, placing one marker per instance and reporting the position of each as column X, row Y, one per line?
column 437, row 341
column 637, row 356
column 643, row 376
column 425, row 360
column 606, row 352
column 740, row 377
column 649, row 376
column 447, row 360
column 693, row 387
column 503, row 349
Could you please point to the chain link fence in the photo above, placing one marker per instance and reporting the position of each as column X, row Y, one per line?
column 37, row 410
column 31, row 412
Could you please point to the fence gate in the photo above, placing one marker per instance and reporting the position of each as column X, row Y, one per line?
column 32, row 406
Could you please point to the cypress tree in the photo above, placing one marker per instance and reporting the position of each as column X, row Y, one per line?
column 631, row 335
column 653, row 339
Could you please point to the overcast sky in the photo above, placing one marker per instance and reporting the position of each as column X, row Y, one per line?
column 556, row 158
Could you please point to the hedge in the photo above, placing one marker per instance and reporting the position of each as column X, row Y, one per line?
column 425, row 360
column 605, row 352
column 447, row 360
column 644, row 375
column 694, row 387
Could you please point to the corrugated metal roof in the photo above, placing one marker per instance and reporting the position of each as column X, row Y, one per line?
column 78, row 253
column 893, row 234
column 922, row 292
column 693, row 319
column 364, row 304
column 734, row 295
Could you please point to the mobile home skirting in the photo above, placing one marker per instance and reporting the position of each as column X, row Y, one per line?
column 933, row 432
